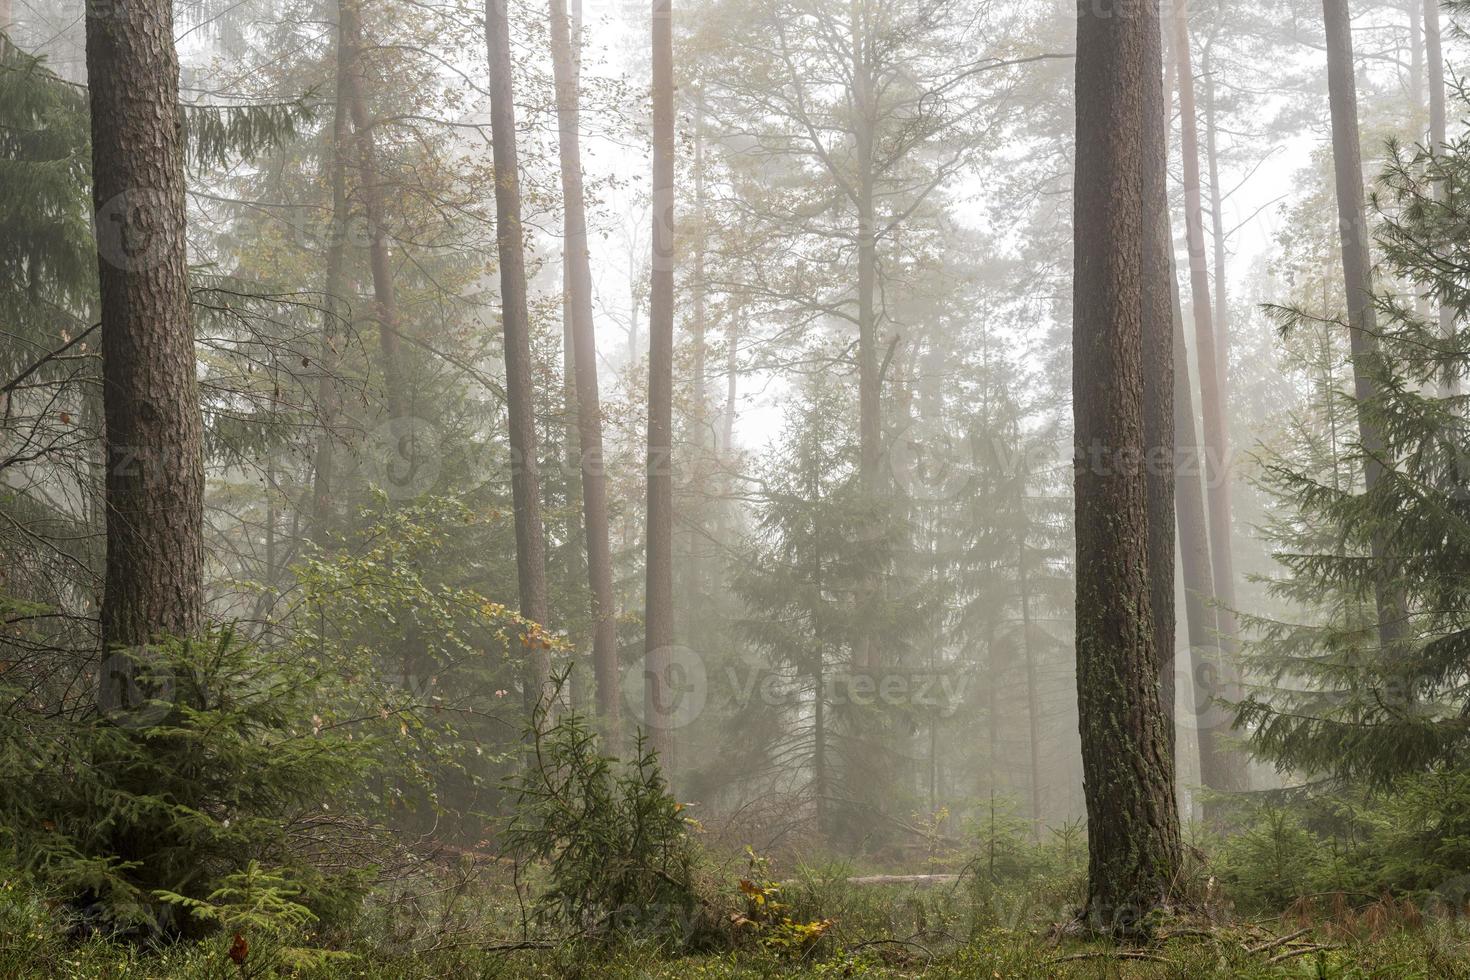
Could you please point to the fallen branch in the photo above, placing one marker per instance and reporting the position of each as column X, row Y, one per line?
column 1283, row 957
column 1279, row 941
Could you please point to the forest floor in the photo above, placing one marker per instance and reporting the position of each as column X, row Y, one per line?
column 1428, row 954
column 888, row 931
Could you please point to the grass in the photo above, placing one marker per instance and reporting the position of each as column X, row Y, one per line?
column 945, row 933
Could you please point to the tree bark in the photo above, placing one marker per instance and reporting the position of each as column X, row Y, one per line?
column 1211, row 353
column 1157, row 339
column 525, row 477
column 154, row 432
column 385, row 300
column 659, row 598
column 1434, row 49
column 584, row 360
column 334, row 315
column 1033, row 694
column 1133, row 821
column 1358, row 281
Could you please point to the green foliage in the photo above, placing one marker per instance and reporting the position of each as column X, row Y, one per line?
column 202, row 761
column 1340, row 701
column 1410, row 840
column 402, row 648
column 614, row 842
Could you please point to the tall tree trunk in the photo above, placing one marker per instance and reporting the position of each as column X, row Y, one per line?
column 1358, row 281
column 334, row 312
column 1219, row 771
column 1133, row 821
column 732, row 380
column 1217, row 231
column 1208, row 356
column 525, row 480
column 1157, row 338
column 1215, row 664
column 659, row 616
column 584, row 360
column 1033, row 694
column 154, row 432
column 385, row 300
column 1434, row 49
column 1416, row 55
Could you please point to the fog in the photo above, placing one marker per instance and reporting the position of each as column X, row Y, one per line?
column 976, row 453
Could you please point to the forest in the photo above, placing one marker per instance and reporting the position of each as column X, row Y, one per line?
column 734, row 489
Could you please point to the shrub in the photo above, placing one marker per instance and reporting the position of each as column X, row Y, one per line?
column 203, row 760
column 614, row 843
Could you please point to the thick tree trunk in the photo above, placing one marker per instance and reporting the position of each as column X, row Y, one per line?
column 525, row 477
column 1157, row 332
column 154, row 432
column 1358, row 281
column 1208, row 354
column 334, row 311
column 584, row 360
column 659, row 698
column 385, row 300
column 1133, row 821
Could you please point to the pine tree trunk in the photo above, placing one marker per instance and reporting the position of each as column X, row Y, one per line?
column 334, row 312
column 1217, row 232
column 525, row 477
column 1434, row 49
column 1133, row 821
column 1358, row 281
column 659, row 699
column 1208, row 353
column 584, row 359
column 1157, row 338
column 385, row 300
column 154, row 432
column 1416, row 54
column 1033, row 694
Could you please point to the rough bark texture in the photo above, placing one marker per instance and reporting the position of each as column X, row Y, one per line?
column 1133, row 841
column 525, row 479
column 1156, row 312
column 659, row 597
column 154, row 433
column 1358, row 281
column 584, row 364
column 1210, row 363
